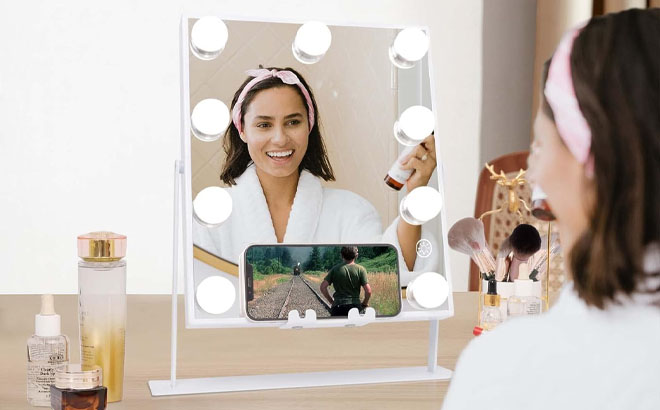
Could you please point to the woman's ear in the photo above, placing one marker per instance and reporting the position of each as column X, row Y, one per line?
column 242, row 135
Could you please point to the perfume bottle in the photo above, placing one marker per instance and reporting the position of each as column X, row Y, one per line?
column 540, row 207
column 102, row 307
column 76, row 389
column 396, row 177
column 47, row 351
column 490, row 314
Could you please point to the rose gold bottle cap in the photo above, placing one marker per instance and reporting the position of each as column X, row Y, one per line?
column 101, row 246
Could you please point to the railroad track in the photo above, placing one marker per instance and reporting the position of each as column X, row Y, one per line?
column 300, row 289
column 283, row 311
column 318, row 296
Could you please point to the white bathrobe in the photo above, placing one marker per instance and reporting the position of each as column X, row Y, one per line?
column 572, row 357
column 318, row 215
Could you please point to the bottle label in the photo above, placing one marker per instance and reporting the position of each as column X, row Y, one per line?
column 398, row 174
column 532, row 308
column 44, row 359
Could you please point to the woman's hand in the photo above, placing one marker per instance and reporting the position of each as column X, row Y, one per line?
column 422, row 161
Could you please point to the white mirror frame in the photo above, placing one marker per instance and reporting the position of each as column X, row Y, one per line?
column 447, row 309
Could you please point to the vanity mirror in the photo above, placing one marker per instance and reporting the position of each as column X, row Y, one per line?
column 270, row 115
column 358, row 97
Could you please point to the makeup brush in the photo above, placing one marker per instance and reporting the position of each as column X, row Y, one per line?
column 467, row 236
column 500, row 262
column 464, row 247
column 538, row 261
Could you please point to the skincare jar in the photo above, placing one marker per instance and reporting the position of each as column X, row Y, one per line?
column 77, row 389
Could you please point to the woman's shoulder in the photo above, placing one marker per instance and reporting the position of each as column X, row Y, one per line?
column 571, row 345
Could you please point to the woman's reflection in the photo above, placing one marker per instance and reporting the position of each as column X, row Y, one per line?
column 275, row 160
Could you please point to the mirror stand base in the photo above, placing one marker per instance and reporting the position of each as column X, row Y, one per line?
column 296, row 380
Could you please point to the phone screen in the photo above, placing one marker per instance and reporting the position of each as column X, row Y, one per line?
column 329, row 279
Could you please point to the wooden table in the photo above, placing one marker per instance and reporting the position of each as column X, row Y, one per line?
column 226, row 352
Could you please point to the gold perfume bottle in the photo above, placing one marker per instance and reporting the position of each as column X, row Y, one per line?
column 102, row 307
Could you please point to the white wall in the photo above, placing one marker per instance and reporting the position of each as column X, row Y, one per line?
column 509, row 33
column 89, row 116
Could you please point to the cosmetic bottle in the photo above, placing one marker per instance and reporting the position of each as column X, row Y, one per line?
column 396, row 177
column 47, row 350
column 491, row 315
column 102, row 307
column 76, row 389
column 523, row 302
column 540, row 207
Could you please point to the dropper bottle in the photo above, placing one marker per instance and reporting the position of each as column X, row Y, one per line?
column 523, row 302
column 491, row 316
column 47, row 351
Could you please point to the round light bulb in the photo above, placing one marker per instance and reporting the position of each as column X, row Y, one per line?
column 421, row 205
column 208, row 38
column 209, row 119
column 414, row 124
column 409, row 46
column 215, row 294
column 212, row 206
column 312, row 42
column 427, row 291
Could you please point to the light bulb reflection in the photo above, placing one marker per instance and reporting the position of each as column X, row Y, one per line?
column 208, row 38
column 409, row 46
column 421, row 205
column 427, row 291
column 212, row 206
column 215, row 294
column 209, row 119
column 414, row 124
column 311, row 43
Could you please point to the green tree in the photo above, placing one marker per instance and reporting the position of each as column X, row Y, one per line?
column 314, row 261
column 331, row 257
column 286, row 257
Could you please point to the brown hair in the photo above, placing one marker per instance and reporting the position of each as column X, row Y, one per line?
column 349, row 252
column 615, row 68
column 238, row 158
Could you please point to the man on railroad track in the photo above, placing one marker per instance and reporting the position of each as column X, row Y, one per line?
column 347, row 278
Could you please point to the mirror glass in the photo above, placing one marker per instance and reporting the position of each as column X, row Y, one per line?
column 359, row 95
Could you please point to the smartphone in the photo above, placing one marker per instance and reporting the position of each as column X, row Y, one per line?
column 329, row 279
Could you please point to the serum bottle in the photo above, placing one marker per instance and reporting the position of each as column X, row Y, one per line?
column 396, row 177
column 491, row 316
column 523, row 302
column 47, row 351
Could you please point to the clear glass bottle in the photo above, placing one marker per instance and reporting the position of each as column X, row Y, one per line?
column 491, row 316
column 76, row 389
column 523, row 302
column 102, row 307
column 47, row 351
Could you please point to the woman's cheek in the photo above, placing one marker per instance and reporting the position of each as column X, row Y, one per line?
column 532, row 167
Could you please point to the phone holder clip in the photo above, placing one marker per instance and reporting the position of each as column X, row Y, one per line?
column 354, row 319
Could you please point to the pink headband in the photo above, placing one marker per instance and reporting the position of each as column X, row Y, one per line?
column 286, row 76
column 560, row 94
